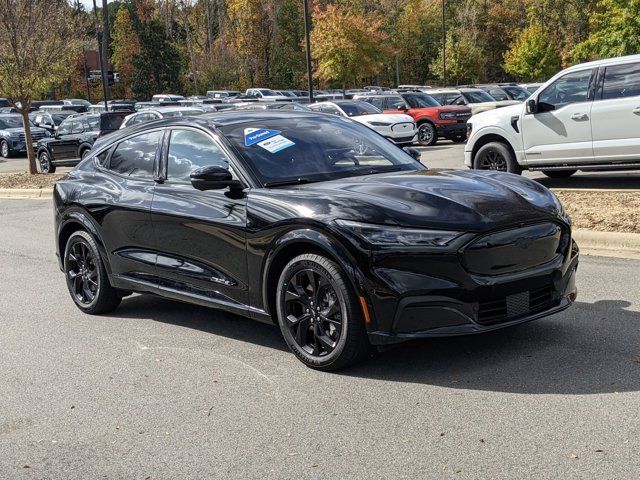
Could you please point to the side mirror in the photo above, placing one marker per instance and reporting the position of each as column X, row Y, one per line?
column 532, row 106
column 402, row 108
column 214, row 177
column 413, row 152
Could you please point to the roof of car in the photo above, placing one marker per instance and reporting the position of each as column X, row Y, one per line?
column 605, row 61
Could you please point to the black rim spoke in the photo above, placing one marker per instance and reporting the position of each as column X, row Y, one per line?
column 313, row 312
column 82, row 273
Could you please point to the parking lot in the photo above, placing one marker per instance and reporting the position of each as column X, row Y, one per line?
column 164, row 390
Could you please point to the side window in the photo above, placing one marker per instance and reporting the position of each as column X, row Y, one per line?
column 101, row 158
column 498, row 94
column 76, row 127
column 453, row 99
column 64, row 128
column 326, row 108
column 190, row 150
column 135, row 156
column 570, row 88
column 133, row 120
column 394, row 102
column 621, row 81
column 376, row 102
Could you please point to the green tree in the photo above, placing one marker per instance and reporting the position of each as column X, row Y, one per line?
column 614, row 31
column 534, row 55
column 38, row 42
column 288, row 65
column 125, row 47
column 465, row 60
column 348, row 47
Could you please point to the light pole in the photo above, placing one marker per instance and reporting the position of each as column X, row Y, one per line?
column 308, row 47
column 103, row 55
column 444, row 48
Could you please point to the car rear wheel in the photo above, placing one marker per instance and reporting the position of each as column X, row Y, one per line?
column 86, row 276
column 319, row 314
column 5, row 152
column 85, row 153
column 427, row 134
column 45, row 163
column 496, row 156
column 559, row 173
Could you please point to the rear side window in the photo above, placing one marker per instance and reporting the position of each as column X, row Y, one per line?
column 621, row 81
column 498, row 94
column 394, row 102
column 135, row 156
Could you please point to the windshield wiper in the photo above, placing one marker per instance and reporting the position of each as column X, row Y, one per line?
column 292, row 181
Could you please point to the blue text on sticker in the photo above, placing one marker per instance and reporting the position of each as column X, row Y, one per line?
column 255, row 135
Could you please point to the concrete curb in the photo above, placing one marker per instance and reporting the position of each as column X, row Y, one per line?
column 611, row 244
column 26, row 193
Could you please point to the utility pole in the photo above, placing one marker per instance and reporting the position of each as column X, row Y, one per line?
column 444, row 48
column 397, row 72
column 103, row 71
column 307, row 27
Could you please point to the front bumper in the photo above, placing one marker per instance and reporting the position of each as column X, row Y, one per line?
column 452, row 130
column 455, row 302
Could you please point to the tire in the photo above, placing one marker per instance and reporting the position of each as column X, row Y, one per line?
column 87, row 279
column 5, row 151
column 84, row 153
column 319, row 314
column 44, row 161
column 559, row 173
column 427, row 134
column 496, row 156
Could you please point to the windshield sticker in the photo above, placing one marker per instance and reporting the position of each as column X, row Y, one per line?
column 255, row 135
column 275, row 144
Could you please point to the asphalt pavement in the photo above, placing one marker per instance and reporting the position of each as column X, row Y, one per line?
column 165, row 390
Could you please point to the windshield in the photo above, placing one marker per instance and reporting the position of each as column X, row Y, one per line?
column 420, row 100
column 478, row 96
column 306, row 149
column 13, row 121
column 58, row 118
column 180, row 113
column 268, row 93
column 353, row 109
column 518, row 93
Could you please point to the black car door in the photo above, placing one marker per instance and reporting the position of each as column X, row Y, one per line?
column 200, row 234
column 60, row 145
column 122, row 203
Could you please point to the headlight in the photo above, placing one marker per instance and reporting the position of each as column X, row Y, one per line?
column 389, row 236
column 447, row 116
column 379, row 124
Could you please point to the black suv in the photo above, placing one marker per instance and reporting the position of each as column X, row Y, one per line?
column 74, row 138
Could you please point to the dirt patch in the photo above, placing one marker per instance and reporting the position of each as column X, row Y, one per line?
column 603, row 211
column 25, row 180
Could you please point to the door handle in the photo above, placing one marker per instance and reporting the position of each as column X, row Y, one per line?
column 579, row 117
column 636, row 110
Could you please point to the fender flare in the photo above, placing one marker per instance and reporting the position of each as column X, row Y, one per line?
column 318, row 240
column 78, row 217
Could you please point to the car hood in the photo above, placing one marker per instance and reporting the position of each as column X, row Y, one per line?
column 494, row 116
column 390, row 118
column 471, row 201
column 19, row 130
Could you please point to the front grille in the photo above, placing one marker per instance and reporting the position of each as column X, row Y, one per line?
column 515, row 250
column 400, row 127
column 34, row 136
column 517, row 305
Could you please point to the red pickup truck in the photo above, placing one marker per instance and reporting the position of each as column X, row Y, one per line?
column 432, row 119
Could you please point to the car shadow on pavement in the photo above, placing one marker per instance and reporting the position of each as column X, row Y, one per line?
column 590, row 348
column 204, row 319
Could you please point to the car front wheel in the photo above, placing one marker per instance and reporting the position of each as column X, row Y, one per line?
column 45, row 163
column 427, row 134
column 86, row 276
column 5, row 152
column 496, row 156
column 319, row 314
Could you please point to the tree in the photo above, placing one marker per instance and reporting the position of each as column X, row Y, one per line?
column 125, row 47
column 465, row 60
column 288, row 60
column 534, row 55
column 38, row 41
column 615, row 31
column 348, row 47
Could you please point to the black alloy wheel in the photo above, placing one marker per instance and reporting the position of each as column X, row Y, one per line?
column 86, row 276
column 427, row 134
column 4, row 149
column 45, row 162
column 318, row 314
column 496, row 156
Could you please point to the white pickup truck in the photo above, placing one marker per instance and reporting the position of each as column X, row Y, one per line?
column 586, row 117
